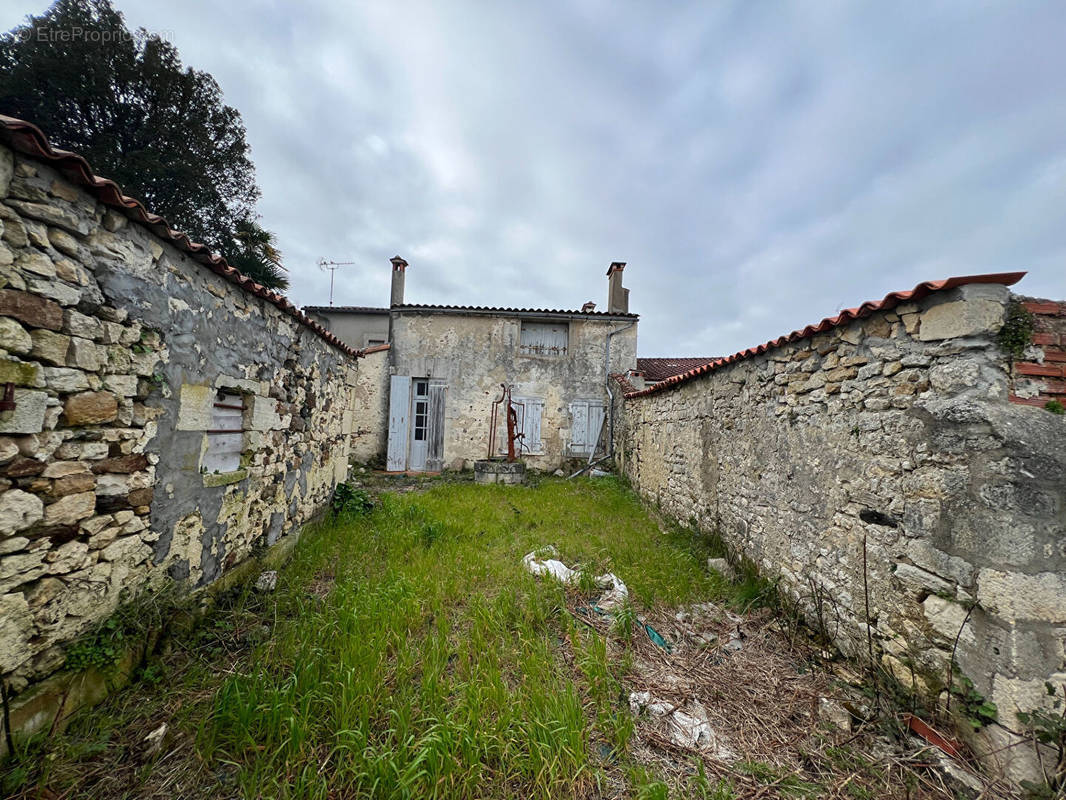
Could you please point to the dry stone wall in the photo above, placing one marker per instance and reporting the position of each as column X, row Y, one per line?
column 893, row 433
column 116, row 346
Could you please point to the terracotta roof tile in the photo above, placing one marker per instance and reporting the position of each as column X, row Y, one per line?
column 658, row 369
column 345, row 309
column 497, row 310
column 866, row 309
column 28, row 139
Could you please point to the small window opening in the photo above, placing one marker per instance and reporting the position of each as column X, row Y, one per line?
column 225, row 438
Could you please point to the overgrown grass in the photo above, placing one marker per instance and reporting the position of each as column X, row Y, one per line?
column 406, row 653
column 432, row 668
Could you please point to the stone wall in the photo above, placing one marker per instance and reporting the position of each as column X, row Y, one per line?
column 895, row 433
column 117, row 344
column 475, row 353
column 370, row 426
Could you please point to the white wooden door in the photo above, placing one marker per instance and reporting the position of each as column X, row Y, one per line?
column 399, row 416
column 419, row 439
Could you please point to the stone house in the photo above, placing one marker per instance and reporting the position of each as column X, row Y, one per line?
column 446, row 365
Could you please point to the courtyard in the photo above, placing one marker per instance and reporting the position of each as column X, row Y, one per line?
column 406, row 652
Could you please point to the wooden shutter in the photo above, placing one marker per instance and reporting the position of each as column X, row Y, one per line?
column 435, row 445
column 595, row 426
column 530, row 426
column 544, row 338
column 225, row 437
column 579, row 423
column 399, row 414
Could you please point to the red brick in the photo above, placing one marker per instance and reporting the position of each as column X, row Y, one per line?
column 1042, row 308
column 1054, row 354
column 1045, row 338
column 1049, row 370
column 1027, row 401
column 1054, row 387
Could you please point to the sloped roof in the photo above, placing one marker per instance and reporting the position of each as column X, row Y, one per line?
column 28, row 139
column 658, row 369
column 890, row 301
column 521, row 311
column 345, row 310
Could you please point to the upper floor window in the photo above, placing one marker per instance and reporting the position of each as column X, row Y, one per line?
column 544, row 338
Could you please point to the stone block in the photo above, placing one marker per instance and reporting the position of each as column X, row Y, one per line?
column 960, row 318
column 50, row 346
column 52, row 214
column 90, row 408
column 73, row 484
column 19, row 510
column 61, row 293
column 84, row 354
column 947, row 618
column 64, row 380
column 20, row 373
column 78, row 324
column 922, row 580
column 35, row 262
column 64, row 242
column 70, row 509
column 134, row 462
column 31, row 310
column 1014, row 596
column 122, row 385
column 28, row 416
column 13, row 337
column 16, row 628
column 195, row 407
column 68, row 557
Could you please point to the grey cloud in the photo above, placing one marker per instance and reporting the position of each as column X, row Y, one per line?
column 760, row 166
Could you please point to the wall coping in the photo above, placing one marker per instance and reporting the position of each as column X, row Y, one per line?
column 889, row 302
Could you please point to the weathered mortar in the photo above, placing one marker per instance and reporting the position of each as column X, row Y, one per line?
column 118, row 344
column 476, row 353
column 895, row 430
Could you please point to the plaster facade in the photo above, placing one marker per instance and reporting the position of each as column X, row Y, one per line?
column 473, row 353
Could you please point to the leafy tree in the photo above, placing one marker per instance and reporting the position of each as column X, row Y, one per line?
column 124, row 101
column 256, row 254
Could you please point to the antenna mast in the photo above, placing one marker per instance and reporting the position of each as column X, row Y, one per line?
column 332, row 267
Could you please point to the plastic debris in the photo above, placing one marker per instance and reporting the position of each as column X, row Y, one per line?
column 542, row 562
column 689, row 728
column 267, row 581
column 154, row 740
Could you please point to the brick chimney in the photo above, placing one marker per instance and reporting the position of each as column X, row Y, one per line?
column 399, row 268
column 617, row 295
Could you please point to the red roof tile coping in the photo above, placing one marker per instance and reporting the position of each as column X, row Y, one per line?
column 378, row 348
column 889, row 302
column 28, row 139
column 658, row 369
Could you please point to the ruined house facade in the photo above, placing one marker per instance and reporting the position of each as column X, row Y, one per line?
column 447, row 364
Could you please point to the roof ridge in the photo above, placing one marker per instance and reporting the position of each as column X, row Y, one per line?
column 28, row 139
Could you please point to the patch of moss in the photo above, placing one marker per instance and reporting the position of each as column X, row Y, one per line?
column 1017, row 330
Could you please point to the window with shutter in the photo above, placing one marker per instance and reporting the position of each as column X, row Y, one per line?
column 544, row 338
column 225, row 438
column 529, row 411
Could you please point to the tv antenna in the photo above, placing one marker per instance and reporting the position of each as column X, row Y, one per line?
column 332, row 266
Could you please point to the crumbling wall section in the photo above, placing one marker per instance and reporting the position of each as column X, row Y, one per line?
column 889, row 440
column 116, row 345
column 370, row 426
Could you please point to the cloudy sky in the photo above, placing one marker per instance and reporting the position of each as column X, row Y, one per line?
column 758, row 165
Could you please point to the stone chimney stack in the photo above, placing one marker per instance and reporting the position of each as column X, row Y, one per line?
column 617, row 295
column 399, row 269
